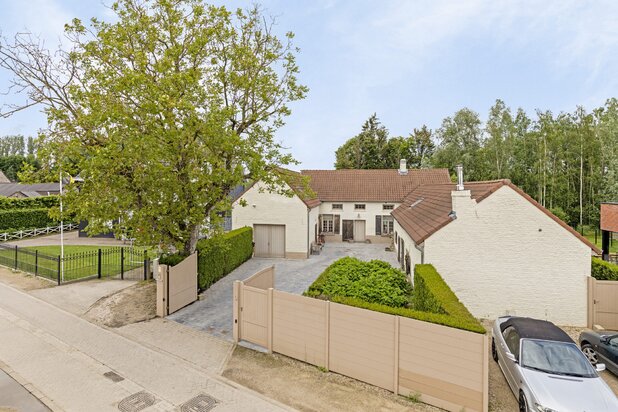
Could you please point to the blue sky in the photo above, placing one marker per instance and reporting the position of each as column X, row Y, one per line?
column 412, row 62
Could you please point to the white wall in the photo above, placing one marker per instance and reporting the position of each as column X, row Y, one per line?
column 274, row 209
column 313, row 221
column 408, row 247
column 372, row 209
column 505, row 256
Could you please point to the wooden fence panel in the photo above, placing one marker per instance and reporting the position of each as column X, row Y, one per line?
column 182, row 283
column 254, row 315
column 444, row 365
column 300, row 327
column 263, row 279
column 362, row 345
column 603, row 303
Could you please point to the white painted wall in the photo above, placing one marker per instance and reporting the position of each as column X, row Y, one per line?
column 505, row 256
column 274, row 209
column 372, row 209
column 313, row 221
column 408, row 247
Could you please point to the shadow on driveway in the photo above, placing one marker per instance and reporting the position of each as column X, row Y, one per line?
column 213, row 314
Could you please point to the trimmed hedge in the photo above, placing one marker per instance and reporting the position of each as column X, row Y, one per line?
column 602, row 270
column 9, row 203
column 21, row 219
column 220, row 255
column 374, row 282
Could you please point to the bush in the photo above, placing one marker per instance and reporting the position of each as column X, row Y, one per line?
column 219, row 255
column 10, row 203
column 172, row 260
column 21, row 219
column 602, row 270
column 374, row 282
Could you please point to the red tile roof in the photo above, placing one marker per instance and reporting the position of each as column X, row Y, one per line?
column 376, row 185
column 609, row 217
column 426, row 209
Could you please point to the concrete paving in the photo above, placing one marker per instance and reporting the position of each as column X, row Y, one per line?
column 62, row 359
column 213, row 314
column 14, row 397
column 78, row 297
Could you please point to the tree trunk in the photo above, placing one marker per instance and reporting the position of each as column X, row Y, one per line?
column 191, row 243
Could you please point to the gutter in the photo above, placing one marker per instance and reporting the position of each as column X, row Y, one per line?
column 422, row 250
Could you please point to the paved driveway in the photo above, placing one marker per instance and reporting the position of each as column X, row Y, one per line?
column 213, row 314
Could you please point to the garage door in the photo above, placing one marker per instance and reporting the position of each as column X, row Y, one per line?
column 269, row 240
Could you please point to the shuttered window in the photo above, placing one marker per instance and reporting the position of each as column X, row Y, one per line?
column 329, row 224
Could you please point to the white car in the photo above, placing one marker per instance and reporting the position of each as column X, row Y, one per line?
column 546, row 370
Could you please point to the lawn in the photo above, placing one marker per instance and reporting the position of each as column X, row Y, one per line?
column 589, row 234
column 79, row 261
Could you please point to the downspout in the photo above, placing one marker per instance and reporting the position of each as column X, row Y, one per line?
column 422, row 250
column 308, row 240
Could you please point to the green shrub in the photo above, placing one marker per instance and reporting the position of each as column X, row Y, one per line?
column 602, row 270
column 219, row 255
column 21, row 219
column 9, row 203
column 374, row 282
column 173, row 259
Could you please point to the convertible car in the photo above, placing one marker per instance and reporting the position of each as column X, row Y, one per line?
column 601, row 347
column 546, row 370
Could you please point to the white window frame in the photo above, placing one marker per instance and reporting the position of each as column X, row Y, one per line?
column 360, row 206
column 388, row 223
column 388, row 207
column 328, row 222
column 337, row 206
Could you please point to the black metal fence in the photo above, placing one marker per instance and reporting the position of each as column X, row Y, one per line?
column 118, row 262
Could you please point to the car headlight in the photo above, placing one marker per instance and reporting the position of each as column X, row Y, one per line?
column 541, row 408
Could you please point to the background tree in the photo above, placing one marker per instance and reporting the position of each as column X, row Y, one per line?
column 11, row 145
column 162, row 112
column 417, row 149
column 365, row 150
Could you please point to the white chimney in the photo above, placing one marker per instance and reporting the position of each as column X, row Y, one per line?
column 460, row 179
column 403, row 169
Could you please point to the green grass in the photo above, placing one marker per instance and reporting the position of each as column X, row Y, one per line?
column 79, row 262
column 589, row 234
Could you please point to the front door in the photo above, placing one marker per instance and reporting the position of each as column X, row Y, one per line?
column 359, row 230
column 348, row 230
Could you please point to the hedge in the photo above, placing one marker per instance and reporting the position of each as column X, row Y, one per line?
column 219, row 255
column 9, row 203
column 602, row 270
column 21, row 219
column 374, row 282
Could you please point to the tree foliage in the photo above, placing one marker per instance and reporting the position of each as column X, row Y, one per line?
column 162, row 112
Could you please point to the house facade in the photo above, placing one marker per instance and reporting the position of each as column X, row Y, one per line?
column 346, row 205
column 499, row 250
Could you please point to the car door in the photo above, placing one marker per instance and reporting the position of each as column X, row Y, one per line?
column 511, row 345
column 612, row 352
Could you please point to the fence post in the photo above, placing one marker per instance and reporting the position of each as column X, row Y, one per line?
column 396, row 363
column 15, row 257
column 99, row 265
column 36, row 262
column 122, row 263
column 236, row 310
column 145, row 265
column 269, row 320
column 327, row 335
column 59, row 269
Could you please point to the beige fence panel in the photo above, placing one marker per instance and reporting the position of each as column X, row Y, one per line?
column 446, row 366
column 254, row 315
column 300, row 328
column 263, row 279
column 603, row 303
column 176, row 285
column 362, row 345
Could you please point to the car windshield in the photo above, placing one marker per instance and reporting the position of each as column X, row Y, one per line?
column 558, row 358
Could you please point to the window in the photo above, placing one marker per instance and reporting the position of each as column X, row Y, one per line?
column 359, row 206
column 337, row 206
column 388, row 207
column 329, row 224
column 387, row 225
column 511, row 337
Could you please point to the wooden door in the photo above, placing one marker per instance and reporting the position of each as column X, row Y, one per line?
column 359, row 230
column 269, row 240
column 348, row 230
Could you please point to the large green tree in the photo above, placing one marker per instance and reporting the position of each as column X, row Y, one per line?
column 365, row 150
column 162, row 112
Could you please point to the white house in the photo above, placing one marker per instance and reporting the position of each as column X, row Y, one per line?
column 498, row 249
column 347, row 205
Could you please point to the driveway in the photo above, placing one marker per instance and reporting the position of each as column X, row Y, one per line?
column 213, row 314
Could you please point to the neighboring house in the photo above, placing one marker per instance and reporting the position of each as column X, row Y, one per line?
column 33, row 190
column 347, row 205
column 498, row 249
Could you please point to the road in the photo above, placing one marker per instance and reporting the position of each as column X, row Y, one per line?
column 62, row 358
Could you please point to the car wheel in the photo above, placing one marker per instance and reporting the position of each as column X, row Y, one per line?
column 523, row 405
column 590, row 353
column 494, row 352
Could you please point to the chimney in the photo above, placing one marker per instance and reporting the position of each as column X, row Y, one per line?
column 460, row 180
column 403, row 169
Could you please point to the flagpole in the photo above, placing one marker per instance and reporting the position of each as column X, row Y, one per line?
column 61, row 233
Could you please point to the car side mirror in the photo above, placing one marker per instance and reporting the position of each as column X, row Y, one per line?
column 511, row 357
column 604, row 339
column 600, row 367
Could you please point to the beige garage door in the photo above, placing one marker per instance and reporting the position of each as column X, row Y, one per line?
column 269, row 240
column 359, row 230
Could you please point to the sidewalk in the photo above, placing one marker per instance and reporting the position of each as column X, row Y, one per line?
column 62, row 358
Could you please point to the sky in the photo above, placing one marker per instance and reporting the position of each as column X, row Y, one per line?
column 411, row 62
